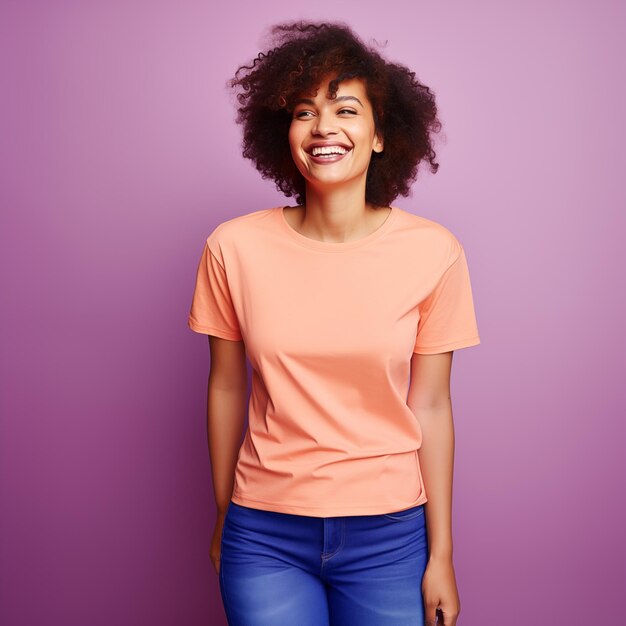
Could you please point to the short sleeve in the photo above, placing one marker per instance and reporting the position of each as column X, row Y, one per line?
column 212, row 311
column 447, row 318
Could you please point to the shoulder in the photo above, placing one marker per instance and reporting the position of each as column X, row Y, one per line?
column 235, row 229
column 430, row 237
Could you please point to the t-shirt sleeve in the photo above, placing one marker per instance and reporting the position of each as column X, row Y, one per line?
column 212, row 311
column 447, row 318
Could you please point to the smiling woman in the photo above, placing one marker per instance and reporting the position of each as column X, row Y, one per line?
column 349, row 309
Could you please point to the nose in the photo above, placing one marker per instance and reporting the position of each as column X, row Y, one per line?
column 324, row 124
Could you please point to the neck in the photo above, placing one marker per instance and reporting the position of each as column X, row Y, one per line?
column 336, row 213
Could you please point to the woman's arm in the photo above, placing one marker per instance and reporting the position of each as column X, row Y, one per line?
column 429, row 400
column 226, row 413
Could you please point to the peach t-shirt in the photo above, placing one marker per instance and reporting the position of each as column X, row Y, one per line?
column 329, row 329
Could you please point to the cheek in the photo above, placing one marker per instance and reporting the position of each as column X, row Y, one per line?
column 295, row 143
column 366, row 134
column 293, row 137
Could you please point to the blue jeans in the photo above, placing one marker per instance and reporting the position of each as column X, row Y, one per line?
column 280, row 569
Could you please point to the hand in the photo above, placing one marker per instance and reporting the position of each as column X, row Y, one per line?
column 216, row 542
column 441, row 598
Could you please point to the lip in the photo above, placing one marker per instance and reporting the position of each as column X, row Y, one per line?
column 324, row 160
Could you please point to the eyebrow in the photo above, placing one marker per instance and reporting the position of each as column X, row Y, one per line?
column 337, row 99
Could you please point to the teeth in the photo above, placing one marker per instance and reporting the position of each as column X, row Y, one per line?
column 328, row 150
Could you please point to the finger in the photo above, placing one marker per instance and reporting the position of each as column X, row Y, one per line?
column 430, row 615
column 446, row 618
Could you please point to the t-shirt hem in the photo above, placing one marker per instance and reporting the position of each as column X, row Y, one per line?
column 212, row 330
column 326, row 510
column 447, row 347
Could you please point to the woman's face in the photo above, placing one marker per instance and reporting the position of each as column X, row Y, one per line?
column 345, row 124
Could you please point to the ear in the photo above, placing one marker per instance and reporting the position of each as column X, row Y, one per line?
column 378, row 144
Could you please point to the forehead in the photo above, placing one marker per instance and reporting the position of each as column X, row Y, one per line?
column 347, row 87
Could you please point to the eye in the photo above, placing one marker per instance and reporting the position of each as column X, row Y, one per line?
column 301, row 113
column 347, row 111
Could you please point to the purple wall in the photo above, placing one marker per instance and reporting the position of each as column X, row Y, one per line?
column 119, row 154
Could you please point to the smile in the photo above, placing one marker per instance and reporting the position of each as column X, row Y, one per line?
column 328, row 155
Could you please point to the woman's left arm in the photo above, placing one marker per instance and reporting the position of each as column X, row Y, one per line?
column 429, row 400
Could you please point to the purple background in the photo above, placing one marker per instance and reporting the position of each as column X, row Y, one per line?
column 119, row 154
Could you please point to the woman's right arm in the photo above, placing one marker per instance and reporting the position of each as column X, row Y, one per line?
column 226, row 414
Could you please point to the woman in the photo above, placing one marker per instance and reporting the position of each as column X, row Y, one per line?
column 349, row 310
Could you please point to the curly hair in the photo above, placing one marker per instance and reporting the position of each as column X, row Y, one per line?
column 303, row 54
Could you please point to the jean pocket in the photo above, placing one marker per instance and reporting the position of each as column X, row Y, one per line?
column 406, row 514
